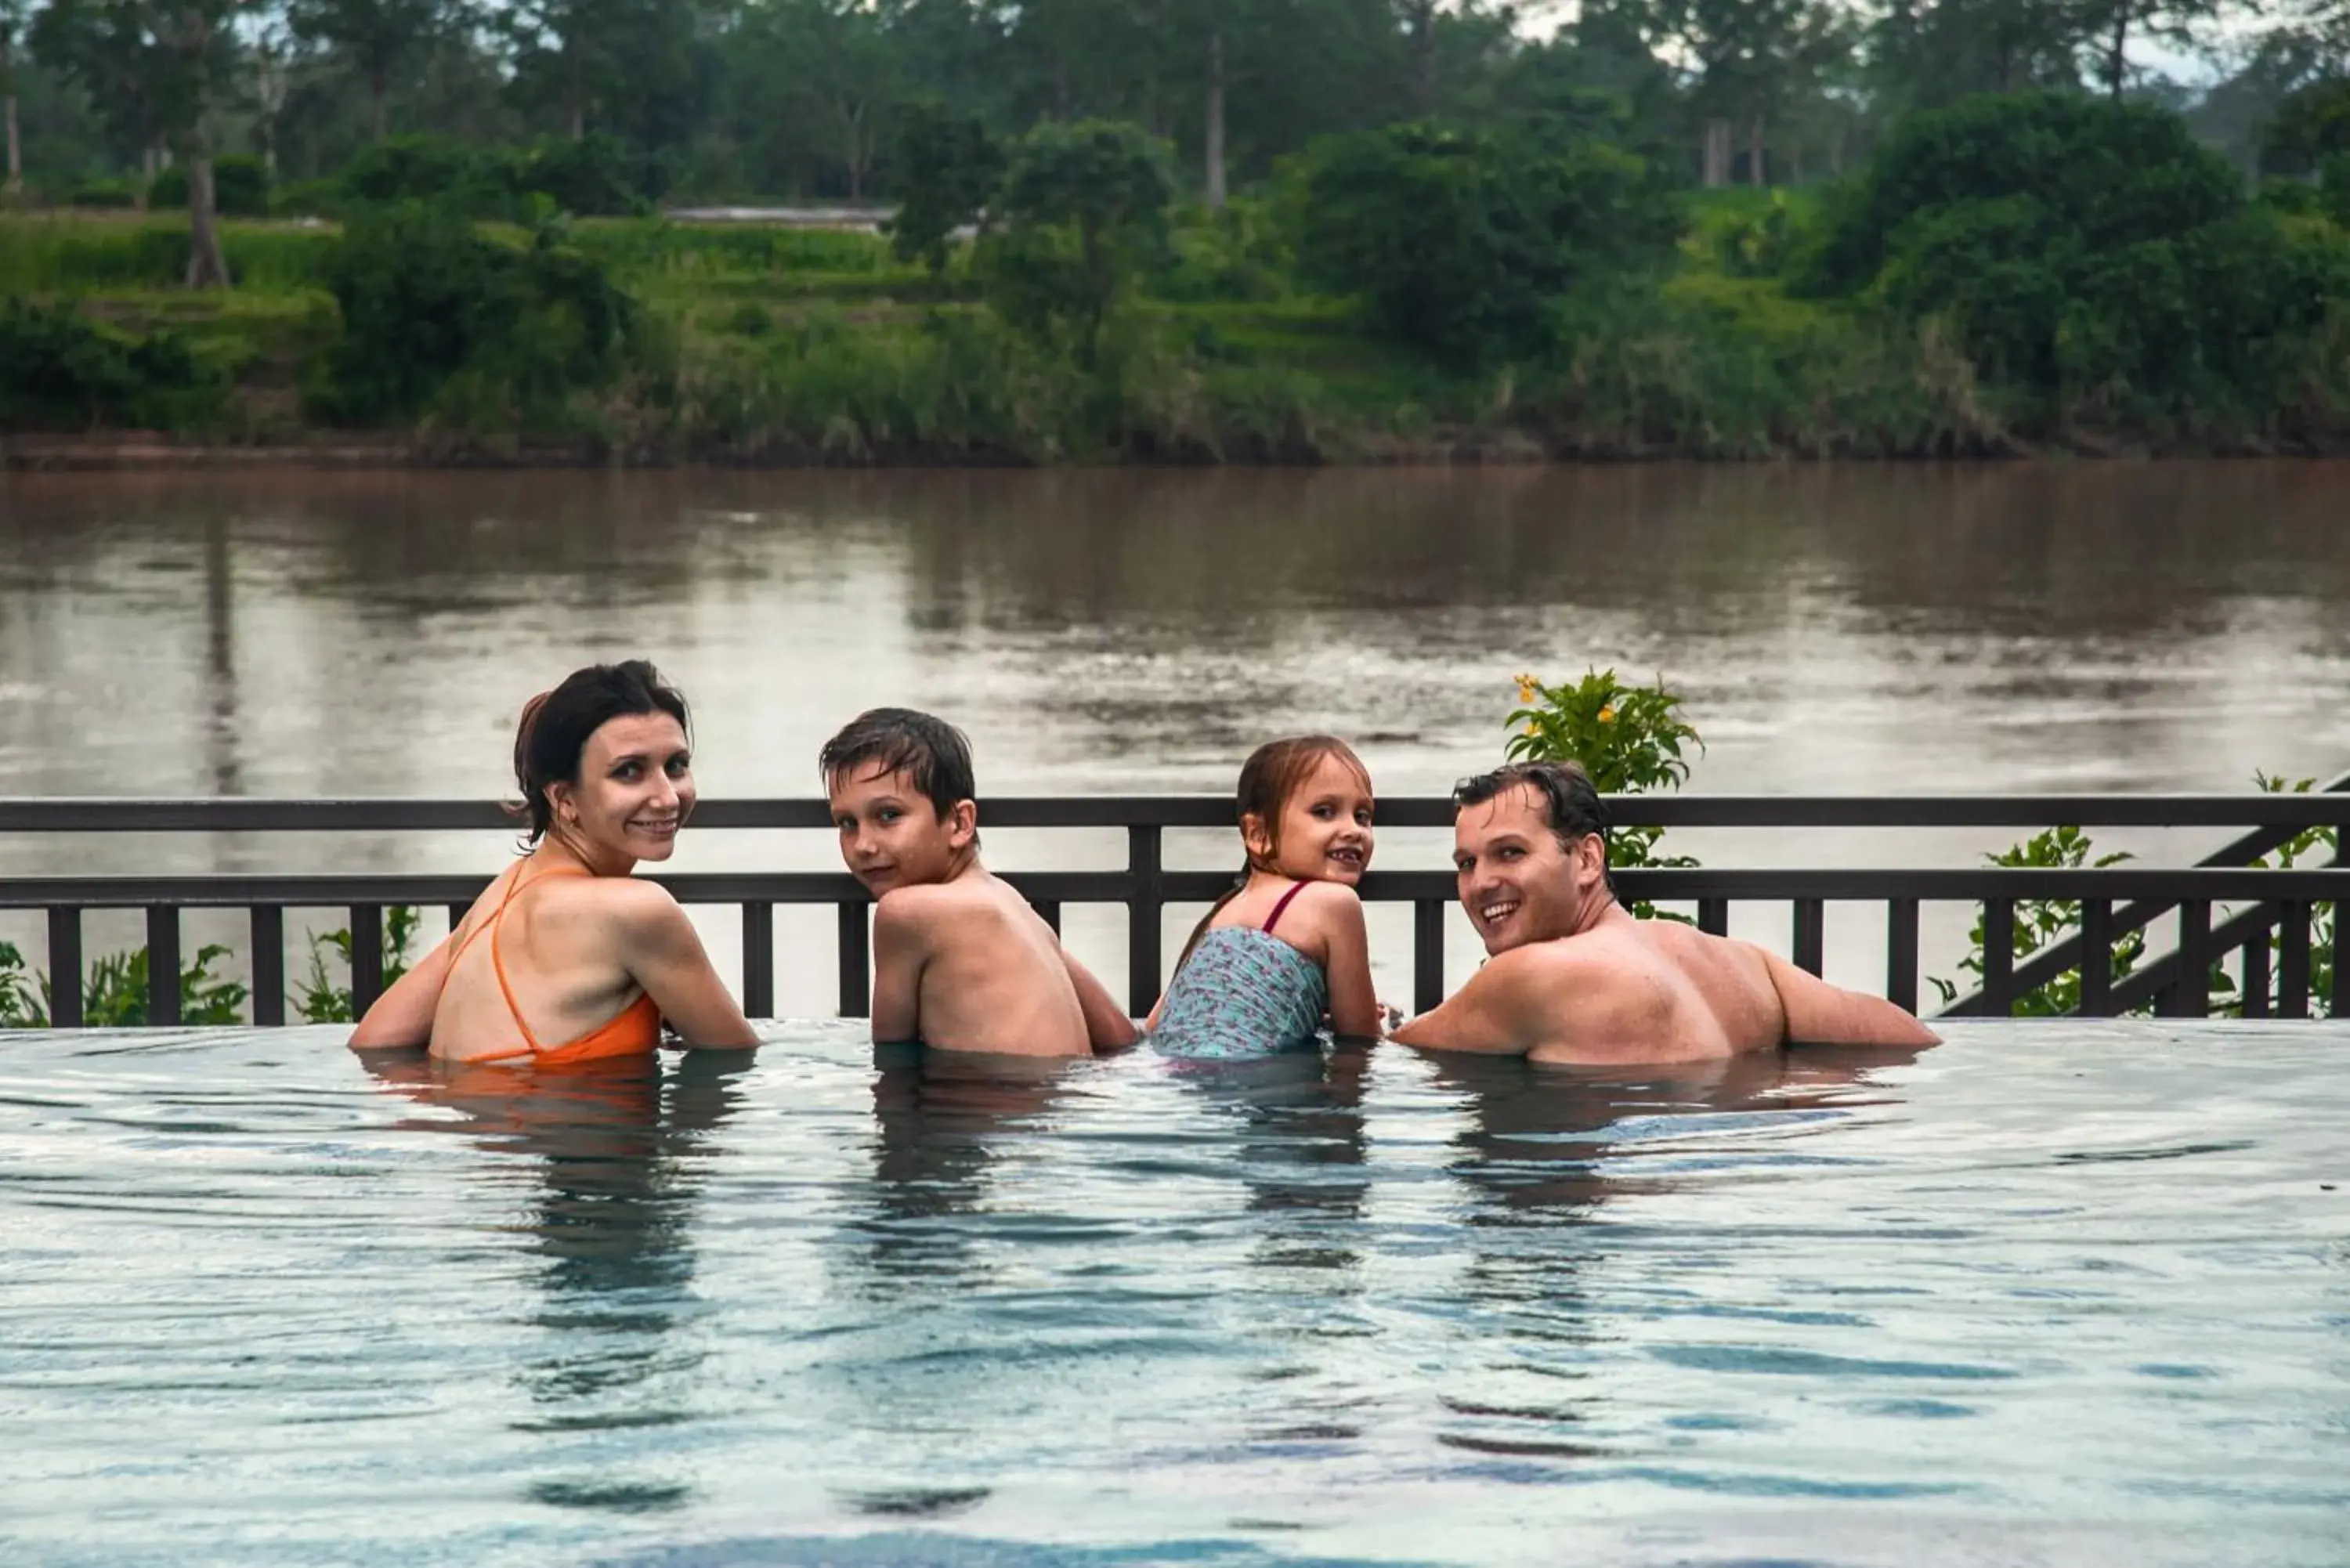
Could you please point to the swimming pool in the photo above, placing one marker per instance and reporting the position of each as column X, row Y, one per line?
column 2056, row 1293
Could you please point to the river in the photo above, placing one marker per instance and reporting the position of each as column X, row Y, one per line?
column 1835, row 629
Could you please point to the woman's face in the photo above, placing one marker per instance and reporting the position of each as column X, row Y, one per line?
column 635, row 788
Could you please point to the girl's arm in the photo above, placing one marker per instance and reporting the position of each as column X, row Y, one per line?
column 1354, row 1005
column 401, row 1018
column 663, row 954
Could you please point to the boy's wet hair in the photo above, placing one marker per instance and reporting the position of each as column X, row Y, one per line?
column 928, row 749
column 1571, row 804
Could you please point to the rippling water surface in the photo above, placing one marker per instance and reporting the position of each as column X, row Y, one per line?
column 2072, row 1294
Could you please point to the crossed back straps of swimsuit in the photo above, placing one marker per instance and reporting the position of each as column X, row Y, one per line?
column 635, row 1029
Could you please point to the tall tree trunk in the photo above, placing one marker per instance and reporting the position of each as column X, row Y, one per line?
column 1716, row 156
column 207, row 263
column 8, row 113
column 1758, row 164
column 377, row 118
column 578, row 104
column 2117, row 63
column 1214, row 137
column 1423, row 57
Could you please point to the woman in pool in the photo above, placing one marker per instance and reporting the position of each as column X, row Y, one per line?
column 567, row 959
column 1286, row 945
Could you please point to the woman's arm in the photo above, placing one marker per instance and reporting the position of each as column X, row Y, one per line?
column 663, row 954
column 401, row 1018
column 1354, row 1004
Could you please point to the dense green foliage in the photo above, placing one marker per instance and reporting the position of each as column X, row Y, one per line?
column 60, row 370
column 240, row 187
column 1463, row 244
column 2089, row 254
column 438, row 318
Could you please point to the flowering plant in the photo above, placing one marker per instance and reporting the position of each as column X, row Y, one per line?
column 1629, row 739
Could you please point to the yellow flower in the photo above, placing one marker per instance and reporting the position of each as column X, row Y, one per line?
column 1607, row 714
column 1526, row 692
column 1530, row 726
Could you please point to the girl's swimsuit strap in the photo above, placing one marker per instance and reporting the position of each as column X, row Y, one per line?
column 1294, row 889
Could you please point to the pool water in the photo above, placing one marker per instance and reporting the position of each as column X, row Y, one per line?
column 2064, row 1293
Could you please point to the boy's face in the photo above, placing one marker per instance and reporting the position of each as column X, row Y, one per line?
column 891, row 836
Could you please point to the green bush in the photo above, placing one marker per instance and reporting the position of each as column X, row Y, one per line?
column 440, row 170
column 106, row 194
column 427, row 302
column 1460, row 244
column 1084, row 210
column 1238, row 253
column 308, row 199
column 60, row 371
column 2092, row 253
column 240, row 187
column 114, row 991
column 945, row 169
column 1629, row 739
column 596, row 176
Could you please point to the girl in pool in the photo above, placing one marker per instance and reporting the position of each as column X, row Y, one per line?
column 567, row 959
column 1286, row 945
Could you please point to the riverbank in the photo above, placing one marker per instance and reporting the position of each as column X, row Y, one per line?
column 658, row 343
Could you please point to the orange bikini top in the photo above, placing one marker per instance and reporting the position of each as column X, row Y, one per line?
column 633, row 1031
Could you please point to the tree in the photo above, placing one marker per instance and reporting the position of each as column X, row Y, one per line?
column 1461, row 243
column 12, row 26
column 945, row 168
column 2112, row 24
column 1084, row 207
column 379, row 39
column 169, row 56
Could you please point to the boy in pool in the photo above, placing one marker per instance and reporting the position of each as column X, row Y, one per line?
column 960, row 962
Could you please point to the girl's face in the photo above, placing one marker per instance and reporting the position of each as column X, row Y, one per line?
column 635, row 790
column 1324, row 830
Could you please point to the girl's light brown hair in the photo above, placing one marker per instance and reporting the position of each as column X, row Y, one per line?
column 1274, row 773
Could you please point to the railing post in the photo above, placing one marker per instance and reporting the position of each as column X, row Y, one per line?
column 1901, row 952
column 2096, row 958
column 1049, row 911
column 1143, row 903
column 759, row 960
column 162, row 965
column 1713, row 916
column 1426, row 954
column 2293, row 960
column 1999, row 957
column 65, row 969
column 366, row 956
column 1811, row 935
column 457, row 913
column 2255, row 994
column 269, row 928
column 2194, row 984
column 856, row 979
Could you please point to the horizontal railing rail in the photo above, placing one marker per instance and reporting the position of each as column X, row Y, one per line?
column 2113, row 900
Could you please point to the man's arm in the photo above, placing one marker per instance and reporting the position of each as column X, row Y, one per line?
column 901, row 949
column 1819, row 1014
column 1492, row 1014
column 1108, row 1027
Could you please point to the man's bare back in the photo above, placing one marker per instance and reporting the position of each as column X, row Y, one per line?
column 966, row 965
column 1574, row 978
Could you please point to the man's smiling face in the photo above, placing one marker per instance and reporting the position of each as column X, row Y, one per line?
column 1517, row 881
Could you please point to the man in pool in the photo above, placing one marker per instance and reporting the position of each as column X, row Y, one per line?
column 1574, row 978
column 960, row 962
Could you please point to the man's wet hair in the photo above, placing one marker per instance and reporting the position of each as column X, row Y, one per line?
column 932, row 752
column 1571, row 805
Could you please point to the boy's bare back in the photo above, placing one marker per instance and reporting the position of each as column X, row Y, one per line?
column 966, row 965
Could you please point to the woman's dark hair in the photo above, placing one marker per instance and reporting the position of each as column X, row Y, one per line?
column 556, row 725
column 1570, row 805
column 1273, row 772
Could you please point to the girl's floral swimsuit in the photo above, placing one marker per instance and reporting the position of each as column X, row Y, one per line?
column 1243, row 992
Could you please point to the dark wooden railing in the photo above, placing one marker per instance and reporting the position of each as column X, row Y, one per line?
column 2113, row 900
